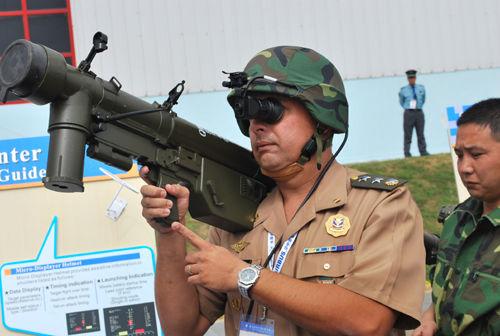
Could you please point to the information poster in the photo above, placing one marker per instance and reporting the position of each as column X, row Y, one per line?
column 23, row 164
column 98, row 293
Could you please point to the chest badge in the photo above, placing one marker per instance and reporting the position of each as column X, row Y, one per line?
column 337, row 225
column 239, row 246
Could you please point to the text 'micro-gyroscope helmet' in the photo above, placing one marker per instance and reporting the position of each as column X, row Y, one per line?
column 299, row 73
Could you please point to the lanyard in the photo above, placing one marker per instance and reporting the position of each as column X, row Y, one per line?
column 271, row 244
column 292, row 239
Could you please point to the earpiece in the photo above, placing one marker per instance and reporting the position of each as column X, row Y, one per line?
column 309, row 149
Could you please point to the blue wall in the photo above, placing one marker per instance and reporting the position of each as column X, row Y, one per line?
column 376, row 118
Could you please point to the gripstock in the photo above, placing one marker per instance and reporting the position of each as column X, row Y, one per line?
column 224, row 180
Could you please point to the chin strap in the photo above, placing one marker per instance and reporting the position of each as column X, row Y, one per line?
column 284, row 174
column 319, row 148
column 315, row 144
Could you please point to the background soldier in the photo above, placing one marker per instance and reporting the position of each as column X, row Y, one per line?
column 466, row 283
column 326, row 254
column 412, row 100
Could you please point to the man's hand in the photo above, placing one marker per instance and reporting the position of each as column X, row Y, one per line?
column 154, row 203
column 213, row 267
column 427, row 328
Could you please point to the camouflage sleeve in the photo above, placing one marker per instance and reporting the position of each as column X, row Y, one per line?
column 212, row 304
column 466, row 280
column 432, row 270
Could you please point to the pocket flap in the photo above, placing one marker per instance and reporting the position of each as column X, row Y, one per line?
column 324, row 264
column 250, row 256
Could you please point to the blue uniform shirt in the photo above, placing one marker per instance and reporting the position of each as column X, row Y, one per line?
column 406, row 95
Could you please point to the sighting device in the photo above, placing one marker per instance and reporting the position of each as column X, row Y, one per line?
column 224, row 180
column 247, row 106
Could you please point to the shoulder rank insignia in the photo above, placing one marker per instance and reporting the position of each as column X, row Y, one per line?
column 367, row 181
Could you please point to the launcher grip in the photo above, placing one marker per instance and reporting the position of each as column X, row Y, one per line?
column 174, row 214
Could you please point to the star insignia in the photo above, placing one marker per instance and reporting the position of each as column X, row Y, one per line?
column 391, row 182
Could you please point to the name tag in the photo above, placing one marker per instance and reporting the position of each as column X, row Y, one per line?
column 413, row 104
column 252, row 326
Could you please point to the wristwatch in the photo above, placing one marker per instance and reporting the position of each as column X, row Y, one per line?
column 247, row 278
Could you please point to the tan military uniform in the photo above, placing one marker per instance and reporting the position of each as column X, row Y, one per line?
column 386, row 265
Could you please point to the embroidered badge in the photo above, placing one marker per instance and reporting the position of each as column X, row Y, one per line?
column 239, row 246
column 236, row 304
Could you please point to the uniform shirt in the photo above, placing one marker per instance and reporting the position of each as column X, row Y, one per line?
column 406, row 96
column 466, row 283
column 386, row 265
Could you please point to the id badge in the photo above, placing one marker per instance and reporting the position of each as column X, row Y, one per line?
column 413, row 104
column 253, row 326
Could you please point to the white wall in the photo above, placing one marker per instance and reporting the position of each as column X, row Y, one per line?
column 153, row 44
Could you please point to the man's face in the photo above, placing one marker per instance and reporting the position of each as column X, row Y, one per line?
column 412, row 80
column 276, row 146
column 479, row 161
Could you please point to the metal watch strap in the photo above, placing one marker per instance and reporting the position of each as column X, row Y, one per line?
column 245, row 289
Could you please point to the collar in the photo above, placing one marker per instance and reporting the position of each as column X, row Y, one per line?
column 494, row 217
column 331, row 193
column 475, row 207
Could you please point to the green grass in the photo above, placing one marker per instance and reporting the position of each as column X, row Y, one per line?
column 430, row 180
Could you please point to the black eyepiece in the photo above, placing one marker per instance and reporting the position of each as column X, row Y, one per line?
column 268, row 110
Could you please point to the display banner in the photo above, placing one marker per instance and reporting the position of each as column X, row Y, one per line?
column 99, row 293
column 23, row 162
column 453, row 113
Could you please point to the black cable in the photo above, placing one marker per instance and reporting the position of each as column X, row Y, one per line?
column 131, row 114
column 173, row 96
column 309, row 194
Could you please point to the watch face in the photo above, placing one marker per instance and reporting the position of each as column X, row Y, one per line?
column 248, row 275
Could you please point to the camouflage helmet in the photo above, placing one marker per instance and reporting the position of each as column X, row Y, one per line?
column 304, row 74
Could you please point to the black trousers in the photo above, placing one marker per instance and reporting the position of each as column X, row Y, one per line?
column 414, row 119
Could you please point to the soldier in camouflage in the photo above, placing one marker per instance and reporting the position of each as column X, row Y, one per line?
column 326, row 253
column 466, row 279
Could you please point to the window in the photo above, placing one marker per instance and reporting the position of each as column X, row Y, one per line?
column 47, row 22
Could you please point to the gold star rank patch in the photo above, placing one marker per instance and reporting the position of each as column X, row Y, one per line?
column 337, row 225
column 366, row 181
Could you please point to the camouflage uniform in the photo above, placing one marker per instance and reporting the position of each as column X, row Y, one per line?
column 466, row 281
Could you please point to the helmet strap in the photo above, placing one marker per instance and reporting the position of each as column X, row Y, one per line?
column 315, row 144
column 284, row 174
column 319, row 149
column 318, row 145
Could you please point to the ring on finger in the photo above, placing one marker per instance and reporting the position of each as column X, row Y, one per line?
column 188, row 270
